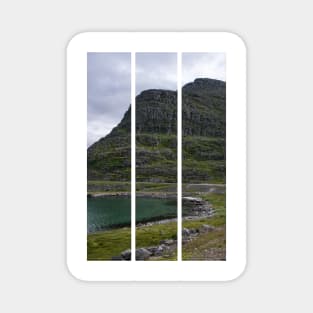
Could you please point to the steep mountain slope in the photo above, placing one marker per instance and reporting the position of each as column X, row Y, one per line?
column 203, row 131
column 109, row 158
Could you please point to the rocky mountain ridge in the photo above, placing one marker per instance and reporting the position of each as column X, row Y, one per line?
column 204, row 130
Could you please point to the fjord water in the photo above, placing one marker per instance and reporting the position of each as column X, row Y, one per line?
column 110, row 212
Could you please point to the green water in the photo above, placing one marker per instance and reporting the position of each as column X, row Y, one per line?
column 109, row 212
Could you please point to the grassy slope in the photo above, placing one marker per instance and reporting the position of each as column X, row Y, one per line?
column 156, row 155
column 105, row 245
column 203, row 159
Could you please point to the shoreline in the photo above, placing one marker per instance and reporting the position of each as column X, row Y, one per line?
column 157, row 195
column 151, row 223
column 201, row 208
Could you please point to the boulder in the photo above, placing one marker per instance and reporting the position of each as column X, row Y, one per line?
column 126, row 255
column 167, row 242
column 142, row 254
column 186, row 232
column 159, row 251
column 152, row 250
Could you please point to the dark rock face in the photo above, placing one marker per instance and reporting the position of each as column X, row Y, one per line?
column 156, row 127
column 204, row 129
column 204, row 108
column 156, row 112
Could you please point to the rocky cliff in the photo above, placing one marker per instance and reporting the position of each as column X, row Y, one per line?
column 203, row 104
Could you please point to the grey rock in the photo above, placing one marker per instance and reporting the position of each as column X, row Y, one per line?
column 142, row 254
column 167, row 242
column 206, row 228
column 159, row 251
column 186, row 232
column 126, row 255
column 152, row 250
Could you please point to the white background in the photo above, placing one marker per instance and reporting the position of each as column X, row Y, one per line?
column 32, row 168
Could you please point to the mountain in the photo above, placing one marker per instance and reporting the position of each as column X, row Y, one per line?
column 204, row 128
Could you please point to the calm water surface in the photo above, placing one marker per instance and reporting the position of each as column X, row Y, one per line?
column 108, row 212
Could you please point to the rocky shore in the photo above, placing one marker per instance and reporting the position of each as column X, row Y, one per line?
column 167, row 248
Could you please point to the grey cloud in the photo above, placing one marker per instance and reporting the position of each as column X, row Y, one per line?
column 203, row 65
column 156, row 71
column 108, row 87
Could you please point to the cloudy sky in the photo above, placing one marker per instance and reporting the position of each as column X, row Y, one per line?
column 109, row 81
column 203, row 65
column 156, row 71
column 108, row 88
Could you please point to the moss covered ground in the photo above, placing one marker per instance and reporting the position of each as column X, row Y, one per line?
column 211, row 245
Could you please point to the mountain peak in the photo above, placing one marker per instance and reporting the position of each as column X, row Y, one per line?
column 203, row 83
column 205, row 80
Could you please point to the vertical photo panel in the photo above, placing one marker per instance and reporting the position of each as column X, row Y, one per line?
column 109, row 156
column 156, row 156
column 204, row 156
